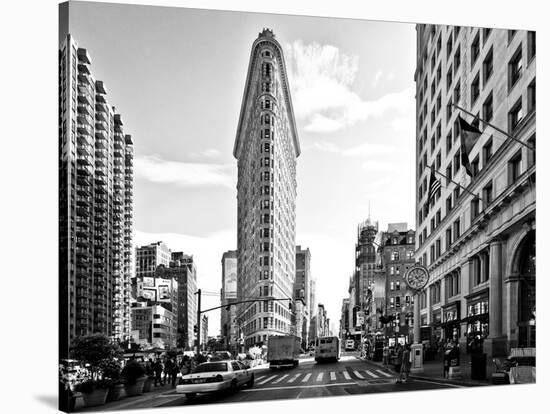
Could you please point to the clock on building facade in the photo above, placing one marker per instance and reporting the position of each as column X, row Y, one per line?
column 417, row 277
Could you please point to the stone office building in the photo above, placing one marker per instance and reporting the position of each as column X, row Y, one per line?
column 478, row 243
column 266, row 147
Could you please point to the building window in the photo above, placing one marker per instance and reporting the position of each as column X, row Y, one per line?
column 474, row 208
column 474, row 90
column 475, row 166
column 449, row 203
column 438, row 160
column 449, row 78
column 487, row 66
column 486, row 33
column 487, row 194
column 475, row 49
column 488, row 108
column 515, row 116
column 448, row 238
column 449, row 111
column 456, row 229
column 531, row 45
column 457, row 59
column 391, row 286
column 487, row 152
column 456, row 162
column 449, row 45
column 531, row 97
column 456, row 93
column 395, row 255
column 437, row 248
column 514, row 168
column 397, row 286
column 531, row 153
column 511, row 34
column 392, row 270
column 438, row 74
column 515, row 67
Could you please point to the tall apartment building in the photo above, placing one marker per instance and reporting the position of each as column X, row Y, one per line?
column 266, row 147
column 95, row 205
column 480, row 250
column 397, row 246
column 228, row 322
column 302, row 294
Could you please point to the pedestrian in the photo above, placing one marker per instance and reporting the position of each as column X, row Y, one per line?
column 447, row 358
column 174, row 373
column 158, row 373
column 168, row 370
column 398, row 357
column 385, row 355
column 405, row 364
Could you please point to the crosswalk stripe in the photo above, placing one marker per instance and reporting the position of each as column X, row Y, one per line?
column 280, row 379
column 267, row 380
column 261, row 378
column 294, row 377
column 358, row 375
column 346, row 375
column 383, row 373
column 319, row 377
column 372, row 374
column 332, row 376
column 306, row 378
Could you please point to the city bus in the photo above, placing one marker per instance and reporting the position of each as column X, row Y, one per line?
column 327, row 349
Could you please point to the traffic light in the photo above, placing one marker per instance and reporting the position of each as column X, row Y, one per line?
column 196, row 329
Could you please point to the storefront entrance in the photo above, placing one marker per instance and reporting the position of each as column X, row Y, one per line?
column 527, row 293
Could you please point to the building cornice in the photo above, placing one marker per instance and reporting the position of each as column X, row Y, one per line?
column 254, row 54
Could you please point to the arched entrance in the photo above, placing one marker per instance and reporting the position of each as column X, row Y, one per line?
column 527, row 291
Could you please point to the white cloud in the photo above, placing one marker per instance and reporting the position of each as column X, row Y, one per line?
column 366, row 149
column 321, row 78
column 158, row 170
column 207, row 153
column 376, row 79
column 379, row 166
column 207, row 253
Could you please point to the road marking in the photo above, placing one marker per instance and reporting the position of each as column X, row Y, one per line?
column 267, row 380
column 372, row 374
column 383, row 373
column 261, row 377
column 297, row 386
column 319, row 377
column 294, row 377
column 306, row 378
column 346, row 375
column 358, row 375
column 280, row 379
column 332, row 376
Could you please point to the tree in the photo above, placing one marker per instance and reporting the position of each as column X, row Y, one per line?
column 94, row 349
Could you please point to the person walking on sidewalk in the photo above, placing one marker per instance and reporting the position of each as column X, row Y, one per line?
column 398, row 357
column 447, row 358
column 405, row 364
column 158, row 373
column 385, row 355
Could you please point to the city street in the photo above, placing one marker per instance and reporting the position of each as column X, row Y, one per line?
column 349, row 376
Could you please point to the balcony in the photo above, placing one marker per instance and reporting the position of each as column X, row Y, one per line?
column 100, row 115
column 83, row 212
column 84, row 150
column 101, row 126
column 84, row 79
column 83, row 180
column 84, row 98
column 84, row 160
column 101, row 134
column 83, row 190
column 84, row 126
column 84, row 109
column 83, row 201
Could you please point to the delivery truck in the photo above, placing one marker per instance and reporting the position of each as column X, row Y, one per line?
column 283, row 351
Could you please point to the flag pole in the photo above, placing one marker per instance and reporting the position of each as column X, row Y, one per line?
column 494, row 127
column 460, row 185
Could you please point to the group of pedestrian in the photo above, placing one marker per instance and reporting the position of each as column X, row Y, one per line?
column 403, row 362
column 166, row 371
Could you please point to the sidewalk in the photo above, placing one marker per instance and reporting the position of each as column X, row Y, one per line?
column 125, row 402
column 433, row 371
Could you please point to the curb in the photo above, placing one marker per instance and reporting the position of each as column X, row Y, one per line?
column 452, row 382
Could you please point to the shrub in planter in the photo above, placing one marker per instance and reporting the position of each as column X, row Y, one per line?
column 133, row 375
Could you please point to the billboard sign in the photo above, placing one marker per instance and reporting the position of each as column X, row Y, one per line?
column 149, row 294
column 230, row 269
column 164, row 293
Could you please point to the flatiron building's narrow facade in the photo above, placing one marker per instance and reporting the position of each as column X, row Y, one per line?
column 266, row 147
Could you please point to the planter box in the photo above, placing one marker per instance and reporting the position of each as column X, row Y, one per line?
column 148, row 384
column 135, row 389
column 115, row 392
column 95, row 398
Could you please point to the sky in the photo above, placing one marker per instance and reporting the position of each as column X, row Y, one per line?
column 177, row 77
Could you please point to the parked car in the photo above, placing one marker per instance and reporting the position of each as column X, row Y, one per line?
column 215, row 376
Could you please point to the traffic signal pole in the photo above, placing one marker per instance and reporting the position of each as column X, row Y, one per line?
column 199, row 322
